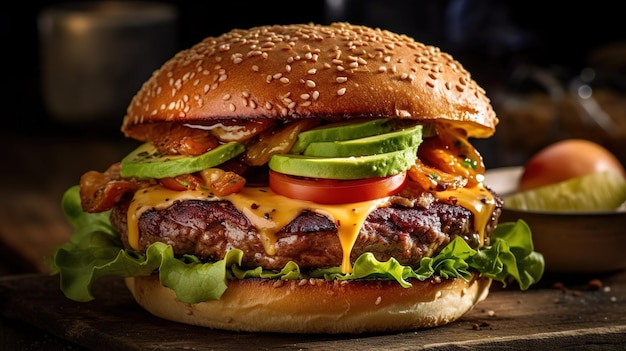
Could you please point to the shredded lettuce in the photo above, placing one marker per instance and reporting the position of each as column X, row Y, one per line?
column 95, row 250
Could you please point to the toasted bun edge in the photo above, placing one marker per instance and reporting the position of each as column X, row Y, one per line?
column 318, row 306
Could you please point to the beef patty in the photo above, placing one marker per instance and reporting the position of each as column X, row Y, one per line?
column 208, row 229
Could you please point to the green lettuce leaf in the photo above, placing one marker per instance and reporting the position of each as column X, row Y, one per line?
column 95, row 250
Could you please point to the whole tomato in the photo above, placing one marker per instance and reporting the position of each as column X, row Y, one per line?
column 567, row 159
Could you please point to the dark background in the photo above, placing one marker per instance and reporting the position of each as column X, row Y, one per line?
column 498, row 41
column 491, row 38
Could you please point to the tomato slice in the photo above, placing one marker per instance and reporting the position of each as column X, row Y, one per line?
column 334, row 191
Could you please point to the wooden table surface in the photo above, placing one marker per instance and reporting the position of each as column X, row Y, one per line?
column 35, row 315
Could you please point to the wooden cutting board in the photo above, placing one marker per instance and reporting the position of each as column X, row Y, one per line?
column 36, row 315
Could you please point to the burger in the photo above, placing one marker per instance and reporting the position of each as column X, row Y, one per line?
column 300, row 179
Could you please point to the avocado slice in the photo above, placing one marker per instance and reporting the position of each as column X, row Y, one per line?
column 341, row 131
column 378, row 144
column 147, row 162
column 380, row 165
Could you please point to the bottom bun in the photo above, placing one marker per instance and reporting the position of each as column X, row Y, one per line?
column 318, row 306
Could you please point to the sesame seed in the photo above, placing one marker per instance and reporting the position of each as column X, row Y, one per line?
column 430, row 84
column 316, row 95
column 310, row 83
column 305, row 96
column 312, row 71
column 231, row 107
column 268, row 45
column 341, row 91
column 404, row 113
column 341, row 79
column 284, row 80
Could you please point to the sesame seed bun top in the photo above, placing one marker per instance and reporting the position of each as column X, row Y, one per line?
column 304, row 71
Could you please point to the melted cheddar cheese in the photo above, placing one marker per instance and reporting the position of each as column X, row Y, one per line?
column 268, row 212
column 477, row 199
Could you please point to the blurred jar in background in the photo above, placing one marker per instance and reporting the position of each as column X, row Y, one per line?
column 96, row 55
column 551, row 105
column 595, row 107
column 528, row 112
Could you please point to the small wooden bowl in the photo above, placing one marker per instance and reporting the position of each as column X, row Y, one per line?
column 571, row 242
